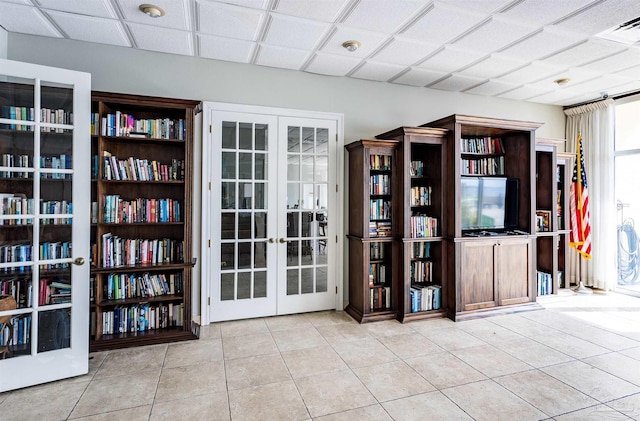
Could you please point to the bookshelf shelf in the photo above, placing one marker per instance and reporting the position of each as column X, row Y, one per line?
column 116, row 323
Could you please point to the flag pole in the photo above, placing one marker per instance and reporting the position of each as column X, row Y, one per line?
column 577, row 243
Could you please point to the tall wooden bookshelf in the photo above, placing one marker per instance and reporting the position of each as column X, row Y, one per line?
column 419, row 255
column 141, row 220
column 372, row 184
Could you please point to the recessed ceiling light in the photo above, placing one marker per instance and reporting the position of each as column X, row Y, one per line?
column 351, row 46
column 152, row 10
column 562, row 81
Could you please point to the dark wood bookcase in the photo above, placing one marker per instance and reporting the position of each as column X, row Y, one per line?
column 141, row 220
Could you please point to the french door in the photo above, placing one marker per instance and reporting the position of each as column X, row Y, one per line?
column 272, row 215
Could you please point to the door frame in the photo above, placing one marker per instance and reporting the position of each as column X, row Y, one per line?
column 206, row 267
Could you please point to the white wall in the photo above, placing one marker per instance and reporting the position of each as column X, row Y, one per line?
column 4, row 35
column 369, row 108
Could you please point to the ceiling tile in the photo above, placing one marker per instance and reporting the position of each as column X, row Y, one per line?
column 524, row 92
column 404, row 51
column 437, row 25
column 26, row 20
column 542, row 44
column 19, row 2
column 457, row 83
column 559, row 96
column 616, row 62
column 284, row 58
column 600, row 84
column 227, row 49
column 484, row 6
column 583, row 53
column 164, row 40
column 369, row 42
column 542, row 12
column 332, row 65
column 176, row 15
column 494, row 65
column 229, row 21
column 418, row 77
column 633, row 86
column 254, row 4
column 494, row 35
column 91, row 29
column 291, row 32
column 377, row 71
column 100, row 8
column 531, row 73
column 451, row 59
column 602, row 16
column 631, row 73
column 574, row 74
column 325, row 11
column 492, row 88
column 383, row 15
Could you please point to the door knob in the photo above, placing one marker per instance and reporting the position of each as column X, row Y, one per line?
column 282, row 240
column 271, row 241
column 78, row 261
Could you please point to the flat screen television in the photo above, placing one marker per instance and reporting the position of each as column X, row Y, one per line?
column 488, row 203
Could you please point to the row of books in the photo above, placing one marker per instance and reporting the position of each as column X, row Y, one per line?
column 379, row 228
column 482, row 166
column 379, row 184
column 141, row 285
column 420, row 196
column 544, row 283
column 141, row 317
column 121, row 124
column 95, row 124
column 140, row 210
column 15, row 161
column 379, row 209
column 423, row 226
column 420, row 250
column 55, row 207
column 47, row 115
column 19, row 288
column 380, row 162
column 54, row 291
column 378, row 251
column 135, row 169
column 416, row 169
column 425, row 297
column 377, row 274
column 421, row 271
column 21, row 331
column 15, row 204
column 14, row 253
column 53, row 251
column 482, row 145
column 57, row 162
column 380, row 298
column 117, row 251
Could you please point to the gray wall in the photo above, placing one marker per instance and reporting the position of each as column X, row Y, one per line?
column 369, row 107
column 4, row 35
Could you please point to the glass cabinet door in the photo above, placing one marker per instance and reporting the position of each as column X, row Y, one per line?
column 44, row 216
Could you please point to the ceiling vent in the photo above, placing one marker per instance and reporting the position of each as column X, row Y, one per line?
column 626, row 33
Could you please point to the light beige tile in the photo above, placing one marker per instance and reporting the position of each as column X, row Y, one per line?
column 210, row 331
column 255, row 371
column 369, row 413
column 491, row 361
column 387, row 328
column 432, row 406
column 52, row 401
column 534, row 353
column 139, row 413
column 114, row 393
column 292, row 321
column 617, row 364
column 432, row 324
column 452, row 339
column 594, row 413
column 490, row 333
column 409, row 345
column 392, row 381
column 445, row 370
column 609, row 340
column 209, row 407
column 274, row 401
column 191, row 380
column 570, row 345
column 333, row 392
column 243, row 328
column 591, row 381
column 630, row 406
column 521, row 325
column 326, row 318
column 132, row 360
column 311, row 361
column 248, row 346
column 290, row 339
column 193, row 352
column 486, row 400
column 364, row 352
column 3, row 396
column 343, row 332
column 546, row 393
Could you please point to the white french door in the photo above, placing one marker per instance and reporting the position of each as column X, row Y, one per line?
column 271, row 213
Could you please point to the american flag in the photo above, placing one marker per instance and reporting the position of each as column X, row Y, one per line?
column 580, row 236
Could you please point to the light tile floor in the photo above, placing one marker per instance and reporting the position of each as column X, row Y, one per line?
column 577, row 359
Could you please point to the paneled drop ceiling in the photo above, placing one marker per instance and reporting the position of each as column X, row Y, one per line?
column 512, row 49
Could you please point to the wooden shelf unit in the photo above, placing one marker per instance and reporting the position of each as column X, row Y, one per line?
column 176, row 186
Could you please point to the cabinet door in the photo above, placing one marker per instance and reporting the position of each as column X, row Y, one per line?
column 476, row 275
column 514, row 271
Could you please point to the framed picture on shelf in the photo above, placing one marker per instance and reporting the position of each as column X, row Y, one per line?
column 543, row 221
